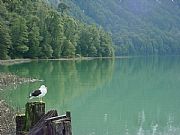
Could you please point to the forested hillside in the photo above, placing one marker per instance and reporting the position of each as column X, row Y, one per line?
column 48, row 28
column 138, row 27
column 33, row 29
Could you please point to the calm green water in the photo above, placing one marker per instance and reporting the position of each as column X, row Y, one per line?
column 136, row 96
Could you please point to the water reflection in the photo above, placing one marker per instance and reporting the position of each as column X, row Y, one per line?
column 66, row 80
column 137, row 96
column 141, row 96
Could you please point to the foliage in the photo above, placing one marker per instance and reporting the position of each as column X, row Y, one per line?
column 19, row 36
column 138, row 27
column 33, row 29
column 5, row 41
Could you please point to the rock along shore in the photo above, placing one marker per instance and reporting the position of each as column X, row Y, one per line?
column 7, row 119
column 14, row 61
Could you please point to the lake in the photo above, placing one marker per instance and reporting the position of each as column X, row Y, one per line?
column 129, row 96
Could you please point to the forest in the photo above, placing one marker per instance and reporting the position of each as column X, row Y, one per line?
column 99, row 28
column 35, row 29
column 138, row 27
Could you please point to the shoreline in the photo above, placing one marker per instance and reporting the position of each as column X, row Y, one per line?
column 14, row 61
column 20, row 61
column 26, row 60
column 88, row 58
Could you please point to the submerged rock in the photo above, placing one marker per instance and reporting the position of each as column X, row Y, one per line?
column 7, row 79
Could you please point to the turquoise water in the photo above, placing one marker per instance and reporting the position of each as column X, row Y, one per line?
column 130, row 96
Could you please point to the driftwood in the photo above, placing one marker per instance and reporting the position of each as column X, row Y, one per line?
column 36, row 122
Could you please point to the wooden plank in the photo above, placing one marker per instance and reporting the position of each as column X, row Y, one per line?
column 56, row 118
column 67, row 128
column 59, row 127
column 64, row 117
column 41, row 128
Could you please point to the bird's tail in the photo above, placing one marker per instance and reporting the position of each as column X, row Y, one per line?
column 30, row 96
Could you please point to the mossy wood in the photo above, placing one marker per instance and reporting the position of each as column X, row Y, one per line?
column 36, row 122
column 20, row 120
column 34, row 112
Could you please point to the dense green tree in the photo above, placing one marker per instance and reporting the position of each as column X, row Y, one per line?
column 55, row 29
column 94, row 42
column 5, row 41
column 70, row 28
column 39, row 31
column 62, row 7
column 137, row 26
column 68, row 49
column 89, row 40
column 71, row 35
column 33, row 42
column 82, row 46
column 46, row 49
column 19, row 36
column 3, row 11
column 105, row 45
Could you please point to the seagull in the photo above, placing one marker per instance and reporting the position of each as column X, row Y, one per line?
column 41, row 92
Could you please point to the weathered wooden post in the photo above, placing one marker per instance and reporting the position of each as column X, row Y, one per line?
column 60, row 125
column 68, row 114
column 41, row 127
column 67, row 124
column 36, row 122
column 20, row 121
column 34, row 112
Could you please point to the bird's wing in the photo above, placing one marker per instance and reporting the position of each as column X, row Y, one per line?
column 36, row 93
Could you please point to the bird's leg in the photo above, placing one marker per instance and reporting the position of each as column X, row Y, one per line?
column 41, row 99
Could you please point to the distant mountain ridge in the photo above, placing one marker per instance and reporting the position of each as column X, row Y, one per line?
column 139, row 27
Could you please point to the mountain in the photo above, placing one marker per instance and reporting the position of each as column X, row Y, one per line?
column 138, row 27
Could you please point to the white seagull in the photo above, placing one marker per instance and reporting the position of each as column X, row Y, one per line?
column 41, row 92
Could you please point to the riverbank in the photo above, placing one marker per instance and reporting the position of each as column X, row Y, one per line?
column 89, row 58
column 19, row 61
column 7, row 119
column 14, row 61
